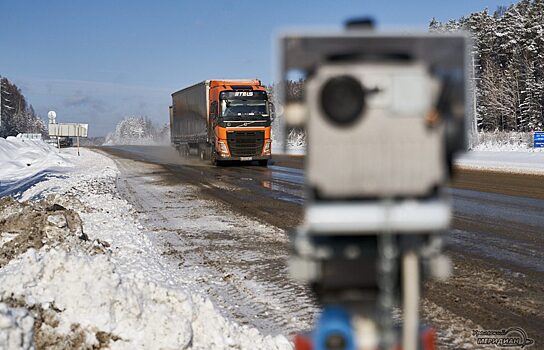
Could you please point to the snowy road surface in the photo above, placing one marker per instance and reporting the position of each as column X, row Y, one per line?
column 496, row 239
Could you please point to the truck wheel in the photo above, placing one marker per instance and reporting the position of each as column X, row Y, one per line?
column 263, row 162
column 182, row 149
column 205, row 153
column 213, row 157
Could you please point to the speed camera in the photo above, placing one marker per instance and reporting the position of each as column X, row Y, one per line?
column 373, row 123
column 383, row 113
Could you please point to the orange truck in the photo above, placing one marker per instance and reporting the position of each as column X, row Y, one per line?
column 222, row 120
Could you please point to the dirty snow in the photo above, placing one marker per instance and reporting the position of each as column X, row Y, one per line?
column 121, row 298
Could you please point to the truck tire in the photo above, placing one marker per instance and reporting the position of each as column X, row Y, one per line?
column 213, row 157
column 215, row 160
column 184, row 150
column 263, row 162
column 181, row 150
column 205, row 152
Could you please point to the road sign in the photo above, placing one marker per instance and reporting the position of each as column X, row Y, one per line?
column 68, row 129
column 538, row 139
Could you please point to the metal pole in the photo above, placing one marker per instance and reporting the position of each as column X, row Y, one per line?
column 410, row 273
column 77, row 133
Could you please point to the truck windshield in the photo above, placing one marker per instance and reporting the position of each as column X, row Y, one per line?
column 231, row 108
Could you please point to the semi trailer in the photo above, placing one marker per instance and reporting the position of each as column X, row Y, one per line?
column 222, row 120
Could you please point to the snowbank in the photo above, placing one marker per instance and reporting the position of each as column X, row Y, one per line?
column 91, row 292
column 502, row 141
column 514, row 162
column 25, row 161
column 120, row 297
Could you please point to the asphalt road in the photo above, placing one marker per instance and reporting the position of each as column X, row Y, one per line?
column 496, row 241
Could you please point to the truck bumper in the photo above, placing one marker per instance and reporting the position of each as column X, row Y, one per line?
column 249, row 159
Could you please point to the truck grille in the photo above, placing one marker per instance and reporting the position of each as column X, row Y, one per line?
column 245, row 143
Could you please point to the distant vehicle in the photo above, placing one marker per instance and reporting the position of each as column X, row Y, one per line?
column 65, row 141
column 28, row 136
column 222, row 120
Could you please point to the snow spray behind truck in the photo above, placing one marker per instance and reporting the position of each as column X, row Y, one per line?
column 222, row 120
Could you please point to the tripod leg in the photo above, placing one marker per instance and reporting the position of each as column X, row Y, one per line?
column 411, row 285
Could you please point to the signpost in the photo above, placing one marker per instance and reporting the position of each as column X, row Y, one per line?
column 538, row 139
column 69, row 130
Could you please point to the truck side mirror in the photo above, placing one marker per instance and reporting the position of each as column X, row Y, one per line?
column 271, row 110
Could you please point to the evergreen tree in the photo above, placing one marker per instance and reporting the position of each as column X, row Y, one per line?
column 17, row 115
column 509, row 64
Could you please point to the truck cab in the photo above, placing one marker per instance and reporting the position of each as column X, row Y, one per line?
column 241, row 122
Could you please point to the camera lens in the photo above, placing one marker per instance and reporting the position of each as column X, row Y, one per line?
column 342, row 99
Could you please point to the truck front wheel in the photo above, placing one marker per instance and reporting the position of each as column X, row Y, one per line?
column 214, row 158
column 263, row 162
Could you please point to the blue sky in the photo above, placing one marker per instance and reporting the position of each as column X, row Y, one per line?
column 97, row 61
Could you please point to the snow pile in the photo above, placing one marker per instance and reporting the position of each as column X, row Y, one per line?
column 91, row 293
column 16, row 328
column 25, row 160
column 514, row 162
column 120, row 297
column 20, row 157
column 25, row 225
column 503, row 141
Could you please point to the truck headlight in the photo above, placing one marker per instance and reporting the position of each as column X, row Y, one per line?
column 223, row 149
column 267, row 147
